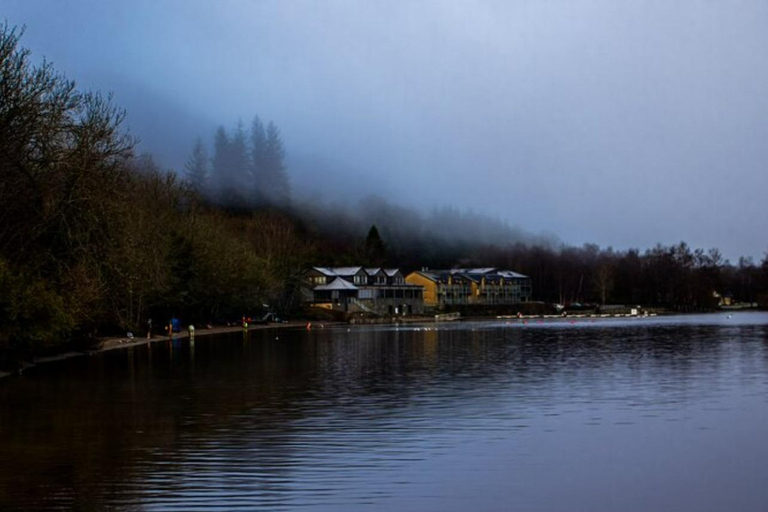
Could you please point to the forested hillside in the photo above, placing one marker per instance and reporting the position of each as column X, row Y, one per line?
column 96, row 239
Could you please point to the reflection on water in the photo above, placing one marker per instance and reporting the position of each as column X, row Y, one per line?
column 648, row 414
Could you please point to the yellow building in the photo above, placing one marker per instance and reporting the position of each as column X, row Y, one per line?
column 471, row 286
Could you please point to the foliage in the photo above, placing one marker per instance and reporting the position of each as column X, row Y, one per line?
column 94, row 239
column 33, row 317
column 248, row 169
column 374, row 251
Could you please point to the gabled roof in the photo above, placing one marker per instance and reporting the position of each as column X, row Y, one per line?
column 346, row 271
column 337, row 284
column 373, row 271
column 508, row 274
column 440, row 276
column 432, row 276
column 391, row 271
column 471, row 274
column 338, row 271
column 486, row 270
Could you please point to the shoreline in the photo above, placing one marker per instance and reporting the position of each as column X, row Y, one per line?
column 114, row 343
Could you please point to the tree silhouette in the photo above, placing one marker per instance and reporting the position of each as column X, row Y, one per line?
column 220, row 161
column 258, row 152
column 375, row 250
column 275, row 184
column 197, row 168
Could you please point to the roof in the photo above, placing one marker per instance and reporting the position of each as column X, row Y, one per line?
column 439, row 275
column 338, row 271
column 373, row 271
column 511, row 275
column 337, row 284
column 486, row 270
column 346, row 271
column 471, row 274
column 391, row 271
column 428, row 274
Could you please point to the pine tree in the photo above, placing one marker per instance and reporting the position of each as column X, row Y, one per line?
column 197, row 168
column 375, row 248
column 220, row 161
column 274, row 178
column 239, row 162
column 258, row 158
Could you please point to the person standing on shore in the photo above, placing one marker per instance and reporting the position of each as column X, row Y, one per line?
column 149, row 328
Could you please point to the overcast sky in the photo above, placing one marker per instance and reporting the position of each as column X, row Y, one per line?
column 619, row 123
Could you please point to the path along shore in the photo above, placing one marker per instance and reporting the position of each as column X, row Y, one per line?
column 114, row 343
column 106, row 344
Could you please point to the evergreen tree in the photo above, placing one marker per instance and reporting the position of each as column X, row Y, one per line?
column 258, row 157
column 197, row 168
column 275, row 184
column 239, row 162
column 220, row 160
column 375, row 249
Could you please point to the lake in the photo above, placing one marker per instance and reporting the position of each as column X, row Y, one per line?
column 666, row 413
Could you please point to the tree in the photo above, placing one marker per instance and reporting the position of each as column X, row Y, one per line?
column 375, row 251
column 258, row 152
column 231, row 167
column 63, row 174
column 603, row 281
column 274, row 179
column 239, row 161
column 220, row 162
column 197, row 168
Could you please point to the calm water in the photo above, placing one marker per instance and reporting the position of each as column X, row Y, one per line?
column 650, row 414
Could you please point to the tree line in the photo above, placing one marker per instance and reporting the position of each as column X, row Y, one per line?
column 96, row 239
column 247, row 170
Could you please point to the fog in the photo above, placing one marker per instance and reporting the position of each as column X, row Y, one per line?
column 622, row 124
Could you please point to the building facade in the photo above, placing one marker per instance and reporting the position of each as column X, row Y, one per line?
column 380, row 291
column 472, row 286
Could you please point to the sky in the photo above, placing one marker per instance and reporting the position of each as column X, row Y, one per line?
column 624, row 124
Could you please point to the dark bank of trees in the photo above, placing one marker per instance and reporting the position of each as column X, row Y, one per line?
column 675, row 277
column 96, row 240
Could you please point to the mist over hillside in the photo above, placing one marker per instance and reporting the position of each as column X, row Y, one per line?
column 98, row 237
column 619, row 126
column 324, row 189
